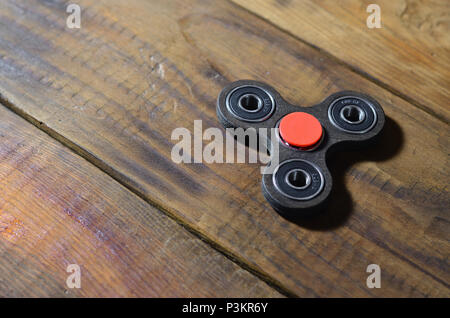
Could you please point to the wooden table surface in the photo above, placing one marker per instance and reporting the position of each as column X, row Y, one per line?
column 86, row 175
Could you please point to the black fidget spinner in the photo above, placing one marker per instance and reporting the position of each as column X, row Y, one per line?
column 301, row 183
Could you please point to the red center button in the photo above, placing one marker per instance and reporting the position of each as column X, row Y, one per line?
column 300, row 130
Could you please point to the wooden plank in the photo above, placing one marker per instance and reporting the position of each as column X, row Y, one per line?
column 57, row 209
column 116, row 88
column 409, row 54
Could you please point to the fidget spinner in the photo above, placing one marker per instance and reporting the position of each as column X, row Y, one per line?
column 301, row 183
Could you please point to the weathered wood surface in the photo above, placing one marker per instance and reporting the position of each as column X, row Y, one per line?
column 409, row 54
column 57, row 209
column 115, row 89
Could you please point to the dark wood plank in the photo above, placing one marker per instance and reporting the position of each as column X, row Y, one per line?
column 57, row 209
column 115, row 89
column 409, row 54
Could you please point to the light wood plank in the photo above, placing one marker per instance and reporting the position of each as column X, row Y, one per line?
column 115, row 89
column 409, row 54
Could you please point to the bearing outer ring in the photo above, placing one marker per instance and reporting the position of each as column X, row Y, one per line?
column 315, row 177
column 266, row 110
column 364, row 104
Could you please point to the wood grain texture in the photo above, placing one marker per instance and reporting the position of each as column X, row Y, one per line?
column 57, row 209
column 409, row 54
column 115, row 89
